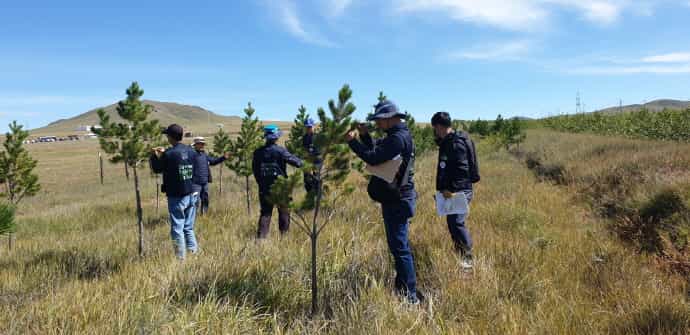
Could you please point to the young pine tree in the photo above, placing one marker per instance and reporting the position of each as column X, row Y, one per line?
column 221, row 145
column 17, row 169
column 130, row 141
column 513, row 133
column 7, row 224
column 331, row 178
column 242, row 148
column 297, row 132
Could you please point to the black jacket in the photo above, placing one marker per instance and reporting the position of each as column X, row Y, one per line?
column 269, row 162
column 453, row 169
column 398, row 141
column 202, row 173
column 177, row 165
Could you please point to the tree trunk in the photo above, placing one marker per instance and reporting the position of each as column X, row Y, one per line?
column 140, row 219
column 9, row 241
column 126, row 171
column 249, row 208
column 314, row 238
column 100, row 164
column 220, row 180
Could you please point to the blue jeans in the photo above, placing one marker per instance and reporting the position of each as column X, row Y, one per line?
column 203, row 198
column 396, row 218
column 182, row 216
column 458, row 230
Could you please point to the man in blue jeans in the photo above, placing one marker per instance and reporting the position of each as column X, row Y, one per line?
column 457, row 170
column 398, row 199
column 176, row 163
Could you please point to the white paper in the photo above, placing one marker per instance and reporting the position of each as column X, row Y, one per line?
column 456, row 205
column 386, row 170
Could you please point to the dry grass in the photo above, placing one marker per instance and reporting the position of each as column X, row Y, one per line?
column 544, row 266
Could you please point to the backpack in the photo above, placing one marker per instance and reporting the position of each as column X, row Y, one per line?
column 270, row 171
column 471, row 157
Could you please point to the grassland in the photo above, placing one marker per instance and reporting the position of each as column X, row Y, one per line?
column 546, row 263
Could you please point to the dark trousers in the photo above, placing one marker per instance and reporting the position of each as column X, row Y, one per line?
column 267, row 213
column 459, row 232
column 203, row 202
column 396, row 219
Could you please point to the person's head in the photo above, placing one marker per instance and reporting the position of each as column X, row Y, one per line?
column 386, row 115
column 442, row 123
column 272, row 133
column 199, row 143
column 174, row 133
column 309, row 126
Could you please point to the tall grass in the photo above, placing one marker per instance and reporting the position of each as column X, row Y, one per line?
column 543, row 266
column 642, row 186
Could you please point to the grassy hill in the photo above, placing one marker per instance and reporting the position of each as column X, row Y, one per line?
column 192, row 118
column 653, row 106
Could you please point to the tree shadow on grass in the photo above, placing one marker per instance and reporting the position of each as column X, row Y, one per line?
column 255, row 288
column 156, row 221
column 78, row 264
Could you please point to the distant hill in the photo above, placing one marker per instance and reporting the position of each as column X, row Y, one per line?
column 192, row 118
column 653, row 106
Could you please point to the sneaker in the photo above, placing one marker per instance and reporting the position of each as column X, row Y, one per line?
column 466, row 263
column 195, row 253
column 413, row 300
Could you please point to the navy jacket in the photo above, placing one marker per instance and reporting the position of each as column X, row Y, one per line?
column 269, row 162
column 177, row 165
column 312, row 150
column 453, row 169
column 202, row 173
column 398, row 141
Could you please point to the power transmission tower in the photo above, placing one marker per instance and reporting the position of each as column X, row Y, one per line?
column 578, row 104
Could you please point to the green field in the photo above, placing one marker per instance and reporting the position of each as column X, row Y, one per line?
column 548, row 261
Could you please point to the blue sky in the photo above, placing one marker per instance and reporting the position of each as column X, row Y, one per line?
column 474, row 59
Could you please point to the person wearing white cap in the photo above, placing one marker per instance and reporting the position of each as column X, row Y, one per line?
column 202, row 173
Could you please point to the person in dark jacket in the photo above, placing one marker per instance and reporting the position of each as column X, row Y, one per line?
column 269, row 162
column 453, row 175
column 310, row 180
column 202, row 173
column 398, row 201
column 177, row 165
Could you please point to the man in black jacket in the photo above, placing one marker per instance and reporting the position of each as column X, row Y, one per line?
column 270, row 162
column 398, row 200
column 202, row 173
column 177, row 165
column 456, row 172
column 311, row 182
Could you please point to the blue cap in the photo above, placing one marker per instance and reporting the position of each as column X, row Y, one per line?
column 384, row 110
column 309, row 123
column 272, row 132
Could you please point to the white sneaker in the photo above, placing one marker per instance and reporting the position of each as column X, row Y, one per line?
column 466, row 263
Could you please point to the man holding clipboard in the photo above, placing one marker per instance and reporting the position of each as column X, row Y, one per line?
column 391, row 162
column 457, row 170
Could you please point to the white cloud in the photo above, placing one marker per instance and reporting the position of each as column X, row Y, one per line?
column 675, row 57
column 512, row 50
column 516, row 14
column 337, row 7
column 640, row 69
column 288, row 16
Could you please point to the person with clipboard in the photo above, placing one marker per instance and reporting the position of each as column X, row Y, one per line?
column 456, row 173
column 397, row 197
